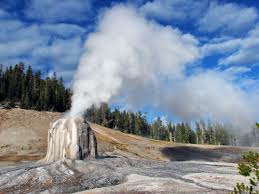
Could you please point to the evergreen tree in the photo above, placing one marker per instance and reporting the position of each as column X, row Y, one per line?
column 2, row 94
column 178, row 133
column 29, row 90
column 132, row 123
column 136, row 123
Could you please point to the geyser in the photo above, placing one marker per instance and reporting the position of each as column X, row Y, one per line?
column 71, row 138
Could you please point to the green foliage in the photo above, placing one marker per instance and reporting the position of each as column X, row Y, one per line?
column 28, row 90
column 136, row 123
column 250, row 169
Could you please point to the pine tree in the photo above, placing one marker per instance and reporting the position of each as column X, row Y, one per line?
column 199, row 138
column 10, row 84
column 192, row 137
column 18, row 80
column 60, row 96
column 104, row 114
column 2, row 94
column 178, row 133
column 29, row 88
column 137, row 123
column 37, row 90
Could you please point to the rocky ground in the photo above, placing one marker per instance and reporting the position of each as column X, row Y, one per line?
column 117, row 174
column 127, row 163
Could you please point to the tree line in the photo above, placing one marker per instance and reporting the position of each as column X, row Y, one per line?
column 137, row 124
column 29, row 90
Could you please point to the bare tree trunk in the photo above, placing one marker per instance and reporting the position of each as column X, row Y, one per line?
column 170, row 136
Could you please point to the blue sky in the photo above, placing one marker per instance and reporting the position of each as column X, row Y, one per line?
column 50, row 34
column 31, row 29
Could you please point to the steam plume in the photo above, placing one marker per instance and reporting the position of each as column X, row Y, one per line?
column 143, row 62
column 127, row 50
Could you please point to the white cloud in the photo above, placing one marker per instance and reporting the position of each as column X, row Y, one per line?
column 8, row 29
column 18, row 39
column 16, row 48
column 58, row 10
column 57, row 46
column 63, row 30
column 236, row 70
column 228, row 18
column 207, row 16
column 247, row 54
column 63, row 53
column 239, row 51
column 4, row 14
column 169, row 10
column 223, row 47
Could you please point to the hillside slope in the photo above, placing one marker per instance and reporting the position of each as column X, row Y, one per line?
column 23, row 136
column 23, row 133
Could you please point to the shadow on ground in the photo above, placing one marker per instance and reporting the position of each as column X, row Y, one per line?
column 186, row 153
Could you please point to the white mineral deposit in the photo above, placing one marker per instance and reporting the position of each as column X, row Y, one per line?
column 71, row 138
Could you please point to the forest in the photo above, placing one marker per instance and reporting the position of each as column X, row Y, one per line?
column 29, row 90
column 182, row 132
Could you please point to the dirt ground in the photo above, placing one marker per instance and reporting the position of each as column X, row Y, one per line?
column 23, row 133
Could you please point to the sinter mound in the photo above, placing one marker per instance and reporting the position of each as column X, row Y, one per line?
column 71, row 138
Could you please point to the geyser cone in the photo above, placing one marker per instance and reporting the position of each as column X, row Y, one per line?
column 71, row 138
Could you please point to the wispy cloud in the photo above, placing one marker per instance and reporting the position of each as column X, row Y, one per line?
column 247, row 54
column 221, row 47
column 170, row 10
column 227, row 18
column 58, row 47
column 4, row 14
column 236, row 51
column 58, row 10
column 208, row 16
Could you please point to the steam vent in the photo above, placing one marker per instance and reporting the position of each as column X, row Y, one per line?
column 71, row 138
